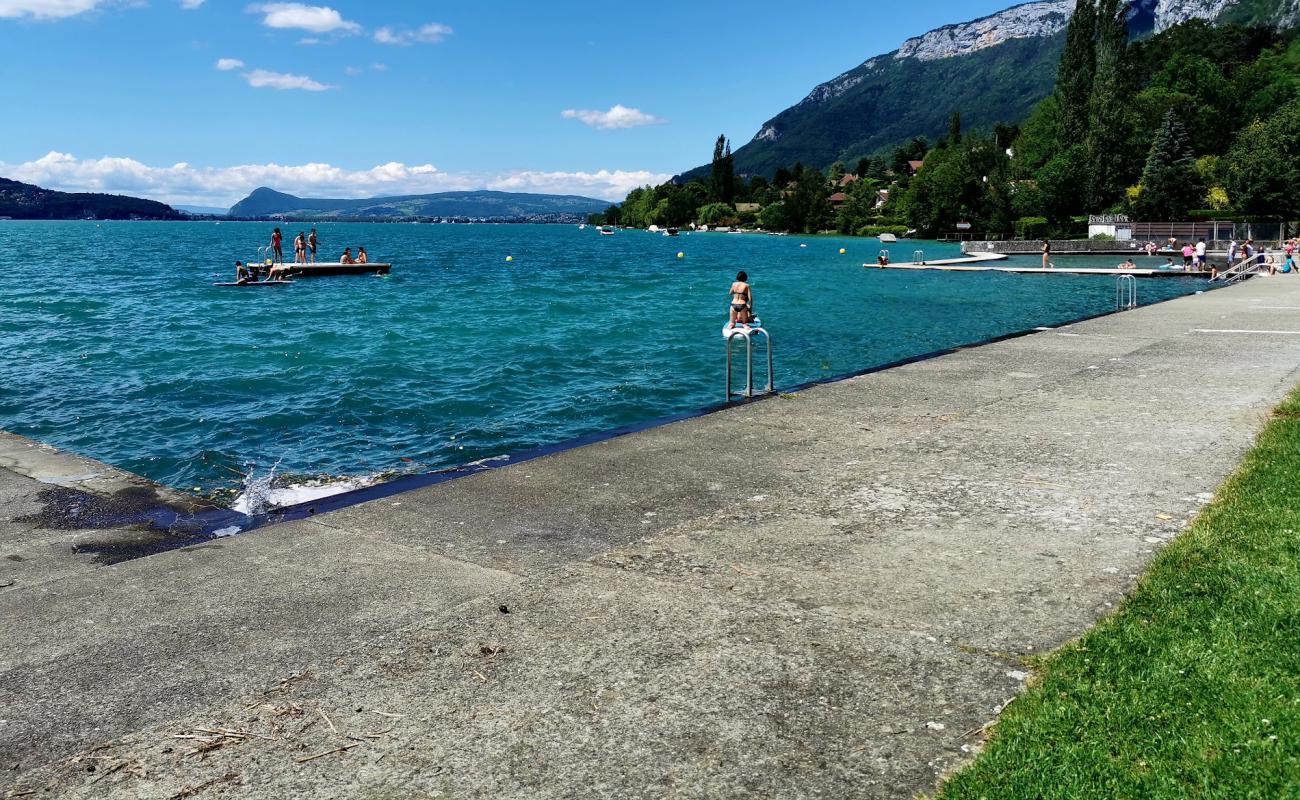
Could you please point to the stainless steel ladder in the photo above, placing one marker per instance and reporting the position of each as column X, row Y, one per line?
column 918, row 256
column 1126, row 292
column 748, row 335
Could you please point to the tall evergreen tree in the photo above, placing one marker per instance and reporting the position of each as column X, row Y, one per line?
column 722, row 177
column 728, row 176
column 1170, row 183
column 1108, row 115
column 1077, row 69
column 954, row 128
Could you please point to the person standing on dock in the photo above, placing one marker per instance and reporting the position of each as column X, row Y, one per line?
column 277, row 246
column 311, row 245
column 742, row 301
column 300, row 248
column 1200, row 253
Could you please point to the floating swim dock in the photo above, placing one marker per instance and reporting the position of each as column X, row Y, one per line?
column 336, row 268
column 972, row 265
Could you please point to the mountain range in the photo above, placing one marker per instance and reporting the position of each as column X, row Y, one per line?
column 990, row 70
column 25, row 201
column 264, row 202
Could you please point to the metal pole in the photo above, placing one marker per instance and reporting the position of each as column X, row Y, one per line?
column 749, row 366
column 729, row 338
column 771, row 379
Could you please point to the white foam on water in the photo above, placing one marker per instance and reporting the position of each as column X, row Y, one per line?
column 224, row 532
column 262, row 495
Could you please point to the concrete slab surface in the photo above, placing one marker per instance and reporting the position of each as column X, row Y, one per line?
column 826, row 594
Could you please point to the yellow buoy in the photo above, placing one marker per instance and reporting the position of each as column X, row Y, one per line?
column 510, row 258
column 681, row 255
column 843, row 251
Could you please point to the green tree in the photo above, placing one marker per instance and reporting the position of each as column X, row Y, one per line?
column 715, row 213
column 1170, row 184
column 722, row 175
column 1261, row 170
column 1074, row 75
column 1109, row 122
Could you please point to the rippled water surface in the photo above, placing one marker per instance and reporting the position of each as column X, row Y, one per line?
column 116, row 345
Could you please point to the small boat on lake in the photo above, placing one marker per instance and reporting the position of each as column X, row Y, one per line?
column 606, row 231
column 887, row 238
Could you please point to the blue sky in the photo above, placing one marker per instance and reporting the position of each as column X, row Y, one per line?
column 356, row 98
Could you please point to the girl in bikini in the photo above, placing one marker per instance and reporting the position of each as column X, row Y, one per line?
column 742, row 301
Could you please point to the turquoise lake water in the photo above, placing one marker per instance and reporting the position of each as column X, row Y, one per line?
column 116, row 345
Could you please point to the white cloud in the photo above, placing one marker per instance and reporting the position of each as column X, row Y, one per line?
column 266, row 79
column 432, row 33
column 227, row 64
column 618, row 116
column 299, row 16
column 190, row 5
column 607, row 184
column 222, row 186
column 46, row 9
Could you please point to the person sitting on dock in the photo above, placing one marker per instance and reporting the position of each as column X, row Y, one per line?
column 883, row 259
column 347, row 256
column 243, row 275
column 1128, row 263
column 742, row 301
column 362, row 258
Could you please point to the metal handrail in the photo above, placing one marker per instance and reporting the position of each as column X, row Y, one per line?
column 918, row 257
column 748, row 335
column 1244, row 268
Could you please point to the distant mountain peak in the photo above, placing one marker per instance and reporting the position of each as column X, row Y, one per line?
column 267, row 202
column 1027, row 21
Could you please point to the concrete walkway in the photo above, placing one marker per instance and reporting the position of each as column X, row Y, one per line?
column 824, row 595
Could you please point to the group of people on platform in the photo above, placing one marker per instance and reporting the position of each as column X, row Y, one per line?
column 304, row 252
column 304, row 249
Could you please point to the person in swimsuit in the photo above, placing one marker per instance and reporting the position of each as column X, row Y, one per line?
column 277, row 246
column 1047, row 254
column 362, row 258
column 742, row 301
column 300, row 248
column 347, row 256
column 242, row 274
column 311, row 245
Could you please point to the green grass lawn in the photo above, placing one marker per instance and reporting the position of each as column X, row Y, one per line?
column 1192, row 688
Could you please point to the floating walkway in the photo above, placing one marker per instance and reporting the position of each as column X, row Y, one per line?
column 974, row 264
